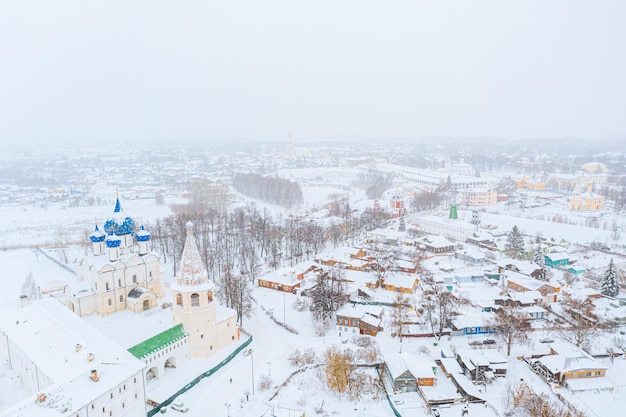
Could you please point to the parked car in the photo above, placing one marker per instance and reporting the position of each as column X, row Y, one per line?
column 546, row 340
column 180, row 407
column 489, row 342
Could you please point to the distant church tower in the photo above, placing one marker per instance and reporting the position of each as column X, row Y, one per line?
column 193, row 300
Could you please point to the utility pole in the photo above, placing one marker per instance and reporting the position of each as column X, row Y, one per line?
column 249, row 353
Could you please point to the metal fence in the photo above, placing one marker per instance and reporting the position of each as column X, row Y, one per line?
column 199, row 378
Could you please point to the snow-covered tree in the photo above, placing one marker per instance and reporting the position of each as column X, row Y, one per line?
column 583, row 324
column 385, row 258
column 538, row 257
column 29, row 288
column 439, row 305
column 511, row 326
column 515, row 244
column 236, row 292
column 610, row 281
column 400, row 314
column 327, row 295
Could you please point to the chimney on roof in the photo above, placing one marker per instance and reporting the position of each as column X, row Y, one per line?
column 94, row 375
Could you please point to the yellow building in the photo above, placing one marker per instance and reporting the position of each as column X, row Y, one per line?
column 524, row 183
column 588, row 201
column 568, row 181
column 594, row 167
column 480, row 197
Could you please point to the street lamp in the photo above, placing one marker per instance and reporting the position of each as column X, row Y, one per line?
column 269, row 369
column 249, row 353
column 227, row 409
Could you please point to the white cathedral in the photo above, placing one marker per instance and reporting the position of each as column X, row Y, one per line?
column 67, row 368
column 121, row 273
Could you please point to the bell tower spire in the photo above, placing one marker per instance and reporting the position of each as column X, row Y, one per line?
column 193, row 300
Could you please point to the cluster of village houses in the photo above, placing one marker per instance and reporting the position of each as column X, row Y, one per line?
column 474, row 268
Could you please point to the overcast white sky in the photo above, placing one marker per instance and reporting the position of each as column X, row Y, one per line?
column 146, row 69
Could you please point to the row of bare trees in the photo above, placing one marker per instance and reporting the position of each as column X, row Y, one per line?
column 270, row 189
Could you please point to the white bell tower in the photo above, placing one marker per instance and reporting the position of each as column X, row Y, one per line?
column 193, row 300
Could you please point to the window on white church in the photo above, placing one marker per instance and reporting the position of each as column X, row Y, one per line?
column 121, row 298
column 107, row 286
column 179, row 299
column 109, row 301
column 134, row 279
column 119, row 282
column 195, row 299
column 210, row 296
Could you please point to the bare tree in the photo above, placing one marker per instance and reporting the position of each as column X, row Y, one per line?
column 30, row 288
column 512, row 326
column 522, row 401
column 400, row 314
column 384, row 258
column 584, row 325
column 62, row 240
column 235, row 291
column 439, row 305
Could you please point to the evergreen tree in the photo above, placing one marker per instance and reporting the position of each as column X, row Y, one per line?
column 539, row 260
column 515, row 244
column 538, row 257
column 610, row 282
column 327, row 295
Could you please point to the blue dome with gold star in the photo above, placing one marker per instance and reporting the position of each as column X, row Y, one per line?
column 113, row 241
column 118, row 224
column 142, row 235
column 96, row 236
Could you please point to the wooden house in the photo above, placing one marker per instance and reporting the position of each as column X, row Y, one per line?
column 284, row 279
column 566, row 362
column 400, row 283
column 357, row 319
column 530, row 269
column 557, row 259
column 479, row 365
column 356, row 253
column 408, row 370
column 521, row 283
column 435, row 244
column 404, row 265
column 474, row 324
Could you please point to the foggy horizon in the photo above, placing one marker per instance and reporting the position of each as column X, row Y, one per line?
column 251, row 71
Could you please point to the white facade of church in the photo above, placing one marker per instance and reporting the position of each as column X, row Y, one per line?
column 121, row 273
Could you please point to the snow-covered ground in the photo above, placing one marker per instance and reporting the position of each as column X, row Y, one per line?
column 272, row 344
